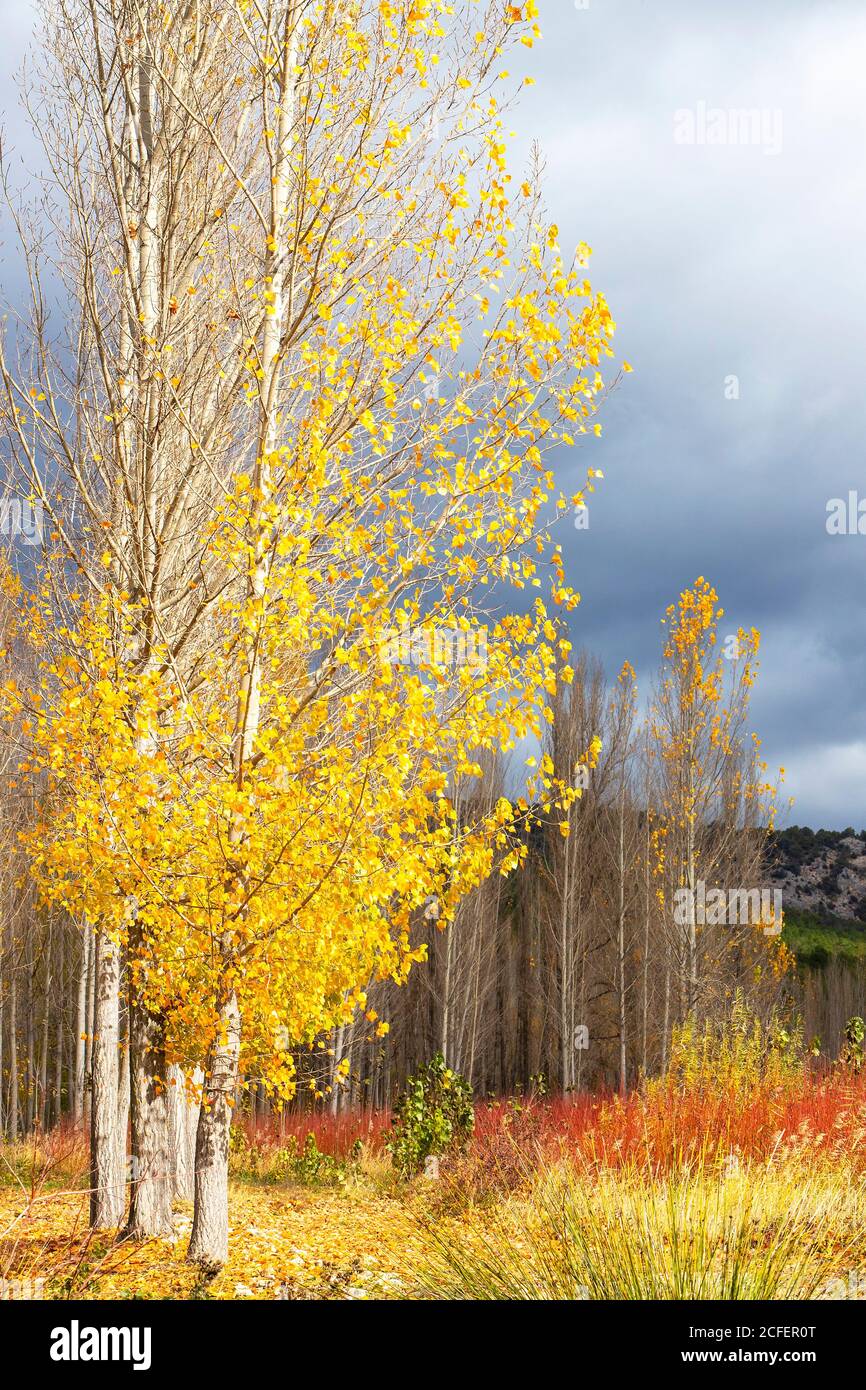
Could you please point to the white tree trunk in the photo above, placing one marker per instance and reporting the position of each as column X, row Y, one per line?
column 81, row 1029
column 209, row 1243
column 183, row 1125
column 151, row 1182
column 106, row 1164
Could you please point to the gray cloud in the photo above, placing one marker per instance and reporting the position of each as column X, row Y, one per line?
column 720, row 260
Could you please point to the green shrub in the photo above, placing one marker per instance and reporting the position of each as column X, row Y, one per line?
column 291, row 1162
column 434, row 1116
column 852, row 1054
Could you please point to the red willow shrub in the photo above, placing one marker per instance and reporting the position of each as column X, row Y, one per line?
column 335, row 1135
column 665, row 1124
column 659, row 1126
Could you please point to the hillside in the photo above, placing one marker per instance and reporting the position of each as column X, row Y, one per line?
column 821, row 873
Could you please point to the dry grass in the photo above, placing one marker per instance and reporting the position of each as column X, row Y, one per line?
column 695, row 1230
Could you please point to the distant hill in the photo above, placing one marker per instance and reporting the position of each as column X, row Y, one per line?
column 821, row 872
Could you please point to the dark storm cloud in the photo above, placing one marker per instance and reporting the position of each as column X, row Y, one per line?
column 738, row 259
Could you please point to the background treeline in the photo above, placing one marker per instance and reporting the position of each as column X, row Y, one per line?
column 570, row 973
column 573, row 972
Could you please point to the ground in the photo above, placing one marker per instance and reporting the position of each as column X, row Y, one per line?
column 295, row 1242
column 722, row 1183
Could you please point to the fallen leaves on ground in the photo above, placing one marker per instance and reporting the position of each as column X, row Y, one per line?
column 285, row 1243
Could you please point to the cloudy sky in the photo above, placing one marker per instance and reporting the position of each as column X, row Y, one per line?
column 739, row 259
column 725, row 260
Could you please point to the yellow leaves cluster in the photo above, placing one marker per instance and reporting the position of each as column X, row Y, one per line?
column 405, row 483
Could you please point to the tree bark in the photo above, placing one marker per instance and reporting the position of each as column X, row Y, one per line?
column 2, row 1073
column 81, row 1029
column 43, row 1113
column 106, row 1161
column 209, row 1243
column 30, row 1074
column 621, row 873
column 89, row 1026
column 183, row 1126
column 13, row 1059
column 151, row 1185
column 60, row 1036
column 123, row 1087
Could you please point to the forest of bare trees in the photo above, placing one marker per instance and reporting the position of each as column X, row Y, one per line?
column 572, row 973
column 568, row 974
